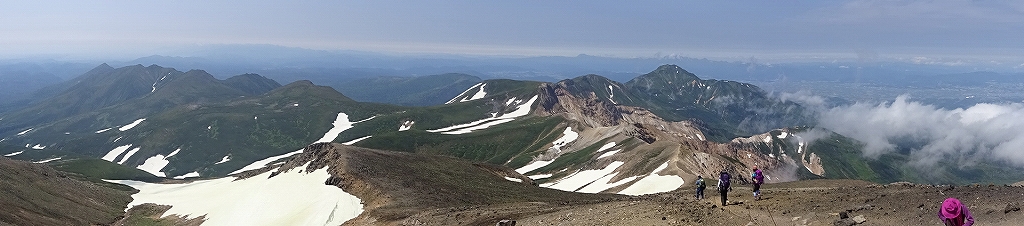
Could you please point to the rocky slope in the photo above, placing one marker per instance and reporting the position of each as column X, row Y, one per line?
column 36, row 194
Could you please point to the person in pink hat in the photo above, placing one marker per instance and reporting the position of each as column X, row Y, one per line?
column 954, row 213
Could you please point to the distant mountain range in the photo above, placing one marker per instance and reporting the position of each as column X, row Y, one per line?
column 459, row 141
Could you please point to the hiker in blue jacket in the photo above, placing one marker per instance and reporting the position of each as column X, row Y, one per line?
column 700, row 187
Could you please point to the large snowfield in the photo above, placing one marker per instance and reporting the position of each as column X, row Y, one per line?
column 290, row 198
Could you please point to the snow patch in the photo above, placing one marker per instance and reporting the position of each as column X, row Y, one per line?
column 110, row 156
column 39, row 147
column 351, row 142
column 48, row 160
column 223, row 160
column 783, row 135
column 13, row 154
column 533, row 166
column 604, row 183
column 514, row 179
column 478, row 95
column 610, row 153
column 154, row 165
column 175, row 152
column 188, row 175
column 266, row 201
column 406, row 125
column 521, row 110
column 576, row 181
column 611, row 94
column 129, row 155
column 131, row 125
column 539, row 176
column 24, row 132
column 567, row 136
column 264, row 162
column 104, row 130
column 341, row 123
column 606, row 146
column 654, row 183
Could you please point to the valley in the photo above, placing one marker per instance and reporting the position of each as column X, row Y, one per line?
column 586, row 150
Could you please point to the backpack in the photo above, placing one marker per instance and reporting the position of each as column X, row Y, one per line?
column 723, row 181
column 700, row 183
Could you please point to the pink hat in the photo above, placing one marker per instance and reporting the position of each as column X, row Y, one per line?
column 951, row 208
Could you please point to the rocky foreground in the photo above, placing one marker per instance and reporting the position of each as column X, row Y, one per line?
column 814, row 202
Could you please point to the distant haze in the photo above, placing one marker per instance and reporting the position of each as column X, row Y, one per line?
column 739, row 29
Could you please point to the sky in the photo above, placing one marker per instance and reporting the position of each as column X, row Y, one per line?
column 766, row 29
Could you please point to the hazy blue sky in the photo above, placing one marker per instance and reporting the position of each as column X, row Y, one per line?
column 955, row 28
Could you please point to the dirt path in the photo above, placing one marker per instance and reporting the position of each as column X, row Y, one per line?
column 796, row 203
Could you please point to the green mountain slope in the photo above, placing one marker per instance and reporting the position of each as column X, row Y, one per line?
column 409, row 91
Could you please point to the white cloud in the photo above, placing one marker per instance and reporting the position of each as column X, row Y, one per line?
column 981, row 132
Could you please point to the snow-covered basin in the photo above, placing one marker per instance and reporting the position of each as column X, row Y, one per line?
column 290, row 198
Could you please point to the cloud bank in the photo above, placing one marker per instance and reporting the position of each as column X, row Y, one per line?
column 983, row 132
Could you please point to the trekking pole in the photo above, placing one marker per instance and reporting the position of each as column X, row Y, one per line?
column 770, row 215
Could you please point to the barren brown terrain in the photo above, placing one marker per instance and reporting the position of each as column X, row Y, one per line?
column 813, row 202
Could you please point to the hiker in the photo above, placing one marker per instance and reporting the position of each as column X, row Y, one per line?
column 723, row 186
column 954, row 213
column 758, row 179
column 700, row 187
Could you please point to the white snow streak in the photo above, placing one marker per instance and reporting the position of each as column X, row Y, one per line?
column 351, row 142
column 132, row 125
column 611, row 94
column 290, row 198
column 264, row 162
column 24, row 132
column 576, row 181
column 539, row 176
column 341, row 123
column 187, row 175
column 406, row 126
column 610, row 153
column 532, row 166
column 654, row 183
column 110, row 156
column 13, row 154
column 104, row 130
column 129, row 155
column 223, row 160
column 521, row 110
column 513, row 179
column 39, row 147
column 48, row 160
column 478, row 95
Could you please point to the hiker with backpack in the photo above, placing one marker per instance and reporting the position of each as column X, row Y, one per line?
column 723, row 186
column 954, row 213
column 700, row 188
column 758, row 179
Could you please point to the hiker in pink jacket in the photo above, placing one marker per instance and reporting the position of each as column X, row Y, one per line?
column 954, row 213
